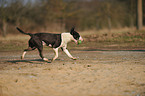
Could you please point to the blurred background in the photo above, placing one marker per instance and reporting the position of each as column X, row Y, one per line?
column 61, row 15
column 97, row 20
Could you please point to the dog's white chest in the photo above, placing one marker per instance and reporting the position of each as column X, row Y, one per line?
column 66, row 37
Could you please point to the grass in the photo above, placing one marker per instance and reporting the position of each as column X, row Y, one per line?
column 116, row 39
column 13, row 42
column 102, row 39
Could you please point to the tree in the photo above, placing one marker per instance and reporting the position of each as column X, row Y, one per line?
column 4, row 17
column 139, row 15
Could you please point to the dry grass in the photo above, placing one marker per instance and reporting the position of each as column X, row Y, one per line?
column 116, row 39
column 13, row 42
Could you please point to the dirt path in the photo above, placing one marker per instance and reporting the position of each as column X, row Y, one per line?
column 94, row 73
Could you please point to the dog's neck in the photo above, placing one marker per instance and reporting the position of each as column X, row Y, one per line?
column 67, row 37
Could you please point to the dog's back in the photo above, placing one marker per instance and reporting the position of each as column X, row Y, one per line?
column 50, row 39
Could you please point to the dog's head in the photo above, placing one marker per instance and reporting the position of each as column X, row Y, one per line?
column 76, row 35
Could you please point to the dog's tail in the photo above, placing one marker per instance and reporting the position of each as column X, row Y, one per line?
column 23, row 31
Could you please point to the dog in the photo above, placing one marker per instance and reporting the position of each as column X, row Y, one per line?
column 54, row 41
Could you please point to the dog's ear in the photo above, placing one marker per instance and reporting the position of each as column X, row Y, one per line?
column 72, row 30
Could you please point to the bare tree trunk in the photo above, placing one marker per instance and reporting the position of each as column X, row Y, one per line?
column 109, row 23
column 108, row 17
column 131, row 14
column 139, row 15
column 4, row 28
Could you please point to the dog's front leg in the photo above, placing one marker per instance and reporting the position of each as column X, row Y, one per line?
column 56, row 53
column 68, row 54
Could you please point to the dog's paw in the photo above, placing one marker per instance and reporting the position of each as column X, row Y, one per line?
column 45, row 59
column 22, row 57
column 52, row 59
column 74, row 58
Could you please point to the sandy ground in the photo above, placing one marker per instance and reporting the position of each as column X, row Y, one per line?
column 94, row 73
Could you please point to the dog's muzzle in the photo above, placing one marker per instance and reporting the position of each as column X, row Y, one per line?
column 76, row 41
column 81, row 38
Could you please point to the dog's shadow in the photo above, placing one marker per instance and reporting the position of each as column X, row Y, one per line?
column 38, row 61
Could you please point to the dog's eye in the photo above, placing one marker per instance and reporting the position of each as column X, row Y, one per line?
column 76, row 36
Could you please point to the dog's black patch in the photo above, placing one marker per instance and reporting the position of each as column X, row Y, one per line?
column 48, row 38
column 53, row 39
column 75, row 34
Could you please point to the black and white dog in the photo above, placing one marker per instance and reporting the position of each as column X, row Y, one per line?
column 55, row 41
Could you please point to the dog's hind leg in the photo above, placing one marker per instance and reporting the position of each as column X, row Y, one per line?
column 56, row 53
column 41, row 54
column 25, row 51
column 22, row 57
